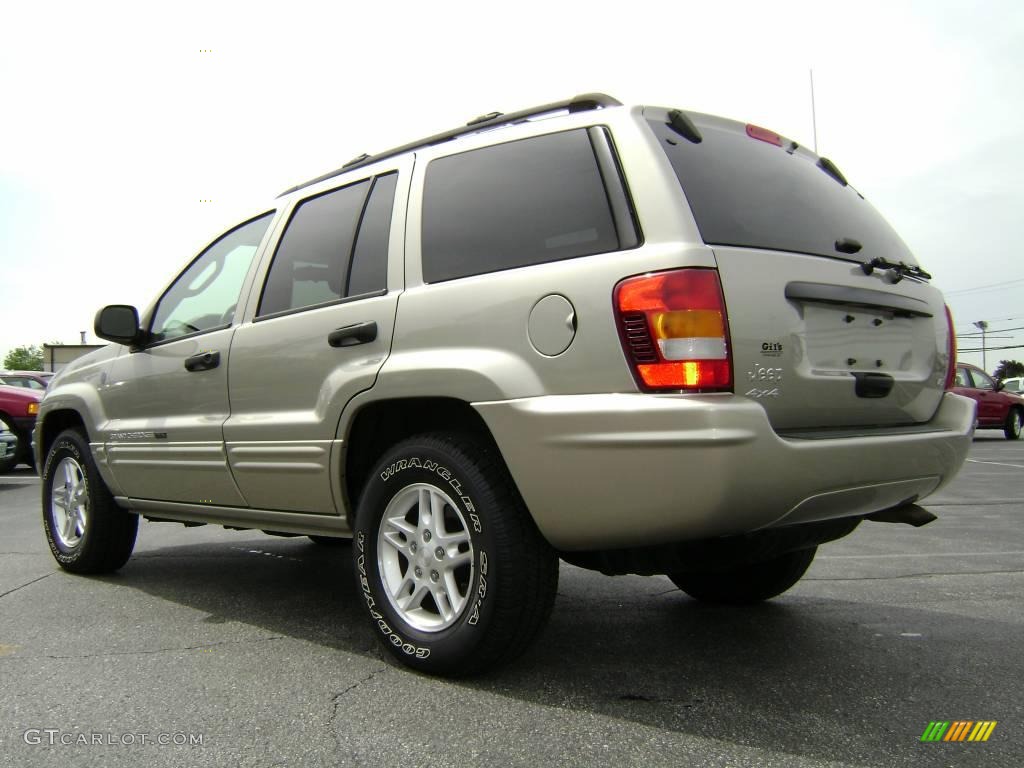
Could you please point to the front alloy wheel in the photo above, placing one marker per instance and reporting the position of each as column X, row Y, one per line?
column 86, row 530
column 69, row 503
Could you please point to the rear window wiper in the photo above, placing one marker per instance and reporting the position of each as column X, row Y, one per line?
column 899, row 270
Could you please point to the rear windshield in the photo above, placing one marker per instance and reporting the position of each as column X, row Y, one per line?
column 751, row 193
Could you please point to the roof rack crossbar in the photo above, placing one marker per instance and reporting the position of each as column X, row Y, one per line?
column 581, row 103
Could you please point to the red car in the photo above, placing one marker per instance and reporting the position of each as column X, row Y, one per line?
column 997, row 409
column 37, row 380
column 18, row 409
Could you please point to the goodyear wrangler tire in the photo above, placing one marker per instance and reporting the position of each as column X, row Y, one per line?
column 450, row 566
column 749, row 583
column 86, row 530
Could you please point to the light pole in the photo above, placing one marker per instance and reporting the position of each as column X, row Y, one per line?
column 982, row 325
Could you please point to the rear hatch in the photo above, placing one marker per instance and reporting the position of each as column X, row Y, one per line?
column 832, row 323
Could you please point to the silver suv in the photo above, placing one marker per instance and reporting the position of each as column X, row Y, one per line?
column 638, row 339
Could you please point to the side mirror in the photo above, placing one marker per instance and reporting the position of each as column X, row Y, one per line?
column 118, row 323
column 999, row 386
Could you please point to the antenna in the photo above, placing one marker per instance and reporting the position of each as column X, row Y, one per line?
column 814, row 117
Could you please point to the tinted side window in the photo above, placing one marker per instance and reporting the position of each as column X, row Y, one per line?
column 204, row 297
column 369, row 269
column 312, row 260
column 511, row 205
column 963, row 378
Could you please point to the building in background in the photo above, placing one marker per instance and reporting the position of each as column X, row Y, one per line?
column 56, row 356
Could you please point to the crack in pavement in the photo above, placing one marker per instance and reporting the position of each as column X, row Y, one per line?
column 336, row 702
column 27, row 584
column 337, row 697
column 200, row 647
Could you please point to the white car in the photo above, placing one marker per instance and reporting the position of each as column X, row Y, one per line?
column 1015, row 384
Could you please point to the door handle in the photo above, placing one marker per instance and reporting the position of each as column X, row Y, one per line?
column 350, row 335
column 204, row 361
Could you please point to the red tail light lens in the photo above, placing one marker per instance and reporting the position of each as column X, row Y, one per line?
column 674, row 330
column 951, row 372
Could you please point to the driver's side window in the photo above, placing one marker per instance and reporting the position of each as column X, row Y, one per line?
column 983, row 381
column 205, row 295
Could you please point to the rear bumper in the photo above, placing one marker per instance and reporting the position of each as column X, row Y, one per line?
column 624, row 470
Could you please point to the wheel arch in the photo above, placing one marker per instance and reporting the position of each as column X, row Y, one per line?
column 378, row 425
column 53, row 423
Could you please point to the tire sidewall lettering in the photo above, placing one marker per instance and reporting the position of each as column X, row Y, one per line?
column 389, row 634
column 402, row 639
column 415, row 462
column 62, row 447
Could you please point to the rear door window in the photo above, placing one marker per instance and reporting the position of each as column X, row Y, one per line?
column 511, row 205
column 368, row 271
column 748, row 192
column 334, row 247
column 313, row 256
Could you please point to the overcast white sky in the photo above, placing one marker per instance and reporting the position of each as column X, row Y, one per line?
column 115, row 123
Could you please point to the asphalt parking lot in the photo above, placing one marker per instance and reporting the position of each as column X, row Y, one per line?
column 257, row 647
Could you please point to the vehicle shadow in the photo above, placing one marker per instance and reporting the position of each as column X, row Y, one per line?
column 807, row 675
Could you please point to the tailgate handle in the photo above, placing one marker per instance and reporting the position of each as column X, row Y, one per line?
column 873, row 384
column 901, row 306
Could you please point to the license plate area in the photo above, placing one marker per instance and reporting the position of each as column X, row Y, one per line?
column 848, row 339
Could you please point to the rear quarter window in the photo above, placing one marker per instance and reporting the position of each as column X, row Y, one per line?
column 511, row 205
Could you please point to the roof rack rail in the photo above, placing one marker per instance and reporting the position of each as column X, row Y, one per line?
column 355, row 160
column 581, row 103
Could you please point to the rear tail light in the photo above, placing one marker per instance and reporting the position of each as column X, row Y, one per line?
column 674, row 330
column 951, row 371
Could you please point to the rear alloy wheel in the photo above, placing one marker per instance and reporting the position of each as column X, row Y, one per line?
column 454, row 573
column 1012, row 428
column 86, row 530
column 749, row 583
